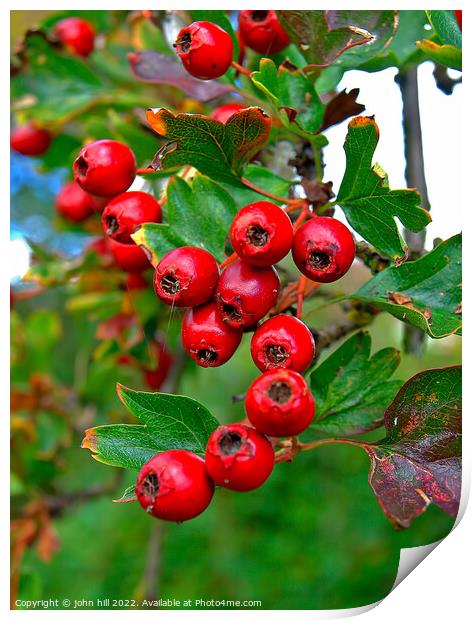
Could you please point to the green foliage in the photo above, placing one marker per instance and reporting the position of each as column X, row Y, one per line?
column 167, row 422
column 368, row 202
column 293, row 94
column 187, row 219
column 219, row 151
column 46, row 73
column 323, row 36
column 353, row 388
column 418, row 462
column 426, row 293
column 446, row 27
column 447, row 55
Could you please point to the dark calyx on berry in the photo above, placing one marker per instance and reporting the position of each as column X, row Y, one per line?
column 231, row 313
column 258, row 236
column 183, row 43
column 280, row 392
column 207, row 356
column 81, row 167
column 111, row 225
column 230, row 442
column 319, row 260
column 150, row 485
column 170, row 284
column 259, row 16
column 275, row 354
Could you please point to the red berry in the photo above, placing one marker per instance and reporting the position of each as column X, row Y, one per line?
column 174, row 486
column 74, row 204
column 105, row 168
column 283, row 342
column 136, row 282
column 261, row 234
column 205, row 49
column 155, row 377
column 279, row 403
column 76, row 34
column 238, row 457
column 458, row 15
column 225, row 112
column 30, row 140
column 129, row 257
column 208, row 339
column 323, row 249
column 186, row 276
column 125, row 213
column 262, row 31
column 245, row 293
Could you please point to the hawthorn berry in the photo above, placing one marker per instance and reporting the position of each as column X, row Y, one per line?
column 238, row 457
column 105, row 168
column 155, row 377
column 136, row 282
column 245, row 293
column 225, row 112
column 205, row 49
column 74, row 204
column 30, row 140
column 283, row 341
column 279, row 403
column 262, row 31
column 186, row 276
column 125, row 213
column 78, row 35
column 129, row 257
column 207, row 338
column 174, row 486
column 261, row 234
column 323, row 249
column 458, row 15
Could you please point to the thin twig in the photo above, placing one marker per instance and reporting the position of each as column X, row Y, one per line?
column 153, row 567
column 415, row 177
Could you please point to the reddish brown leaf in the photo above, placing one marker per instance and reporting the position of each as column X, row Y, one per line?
column 159, row 68
column 341, row 107
column 419, row 461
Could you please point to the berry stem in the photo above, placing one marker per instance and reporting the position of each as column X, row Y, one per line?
column 303, row 447
column 230, row 259
column 240, row 69
column 290, row 449
column 147, row 170
column 300, row 295
column 295, row 202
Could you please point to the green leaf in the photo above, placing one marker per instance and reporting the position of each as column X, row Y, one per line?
column 447, row 55
column 261, row 177
column 369, row 204
column 419, row 462
column 426, row 293
column 168, row 422
column 52, row 85
column 219, row 150
column 323, row 36
column 293, row 94
column 403, row 49
column 353, row 388
column 198, row 215
column 446, row 27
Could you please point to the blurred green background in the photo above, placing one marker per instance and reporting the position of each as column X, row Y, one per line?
column 313, row 537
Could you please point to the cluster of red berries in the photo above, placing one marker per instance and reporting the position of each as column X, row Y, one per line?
column 178, row 485
column 206, row 49
column 78, row 37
